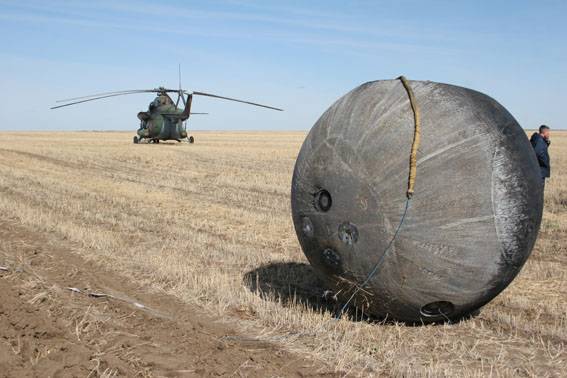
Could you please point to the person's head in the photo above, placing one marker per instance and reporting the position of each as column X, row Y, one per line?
column 544, row 131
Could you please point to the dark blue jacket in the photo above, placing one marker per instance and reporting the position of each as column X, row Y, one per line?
column 540, row 147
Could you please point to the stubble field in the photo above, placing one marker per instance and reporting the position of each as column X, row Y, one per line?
column 210, row 225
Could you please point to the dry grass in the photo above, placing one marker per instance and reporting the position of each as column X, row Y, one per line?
column 210, row 223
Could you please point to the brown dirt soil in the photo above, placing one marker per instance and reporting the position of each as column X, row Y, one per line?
column 48, row 330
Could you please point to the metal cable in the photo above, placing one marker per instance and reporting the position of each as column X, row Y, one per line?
column 380, row 260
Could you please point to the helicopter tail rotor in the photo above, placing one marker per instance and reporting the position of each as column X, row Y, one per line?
column 180, row 93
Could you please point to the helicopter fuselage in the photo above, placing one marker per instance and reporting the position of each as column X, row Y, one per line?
column 163, row 121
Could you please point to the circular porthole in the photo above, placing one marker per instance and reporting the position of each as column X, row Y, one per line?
column 323, row 200
column 348, row 233
column 331, row 258
column 437, row 309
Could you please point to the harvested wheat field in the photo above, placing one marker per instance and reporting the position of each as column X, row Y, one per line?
column 194, row 250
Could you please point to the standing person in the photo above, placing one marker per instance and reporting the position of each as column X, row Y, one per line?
column 540, row 142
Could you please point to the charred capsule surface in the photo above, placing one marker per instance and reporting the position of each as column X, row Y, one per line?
column 472, row 221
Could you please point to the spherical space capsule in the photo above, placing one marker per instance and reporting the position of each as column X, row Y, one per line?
column 469, row 227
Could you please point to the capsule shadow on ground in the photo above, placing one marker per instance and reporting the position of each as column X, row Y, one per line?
column 293, row 284
column 290, row 283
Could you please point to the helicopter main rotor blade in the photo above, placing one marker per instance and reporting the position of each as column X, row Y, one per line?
column 103, row 94
column 179, row 115
column 100, row 97
column 234, row 99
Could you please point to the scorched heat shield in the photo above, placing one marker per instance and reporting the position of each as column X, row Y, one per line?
column 469, row 227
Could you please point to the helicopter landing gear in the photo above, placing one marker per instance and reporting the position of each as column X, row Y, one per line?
column 136, row 140
column 191, row 139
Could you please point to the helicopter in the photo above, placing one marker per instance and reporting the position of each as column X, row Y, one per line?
column 164, row 120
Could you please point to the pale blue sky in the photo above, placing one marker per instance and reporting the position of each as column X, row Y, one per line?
column 299, row 55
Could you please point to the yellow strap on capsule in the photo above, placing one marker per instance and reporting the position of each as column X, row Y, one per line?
column 416, row 136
